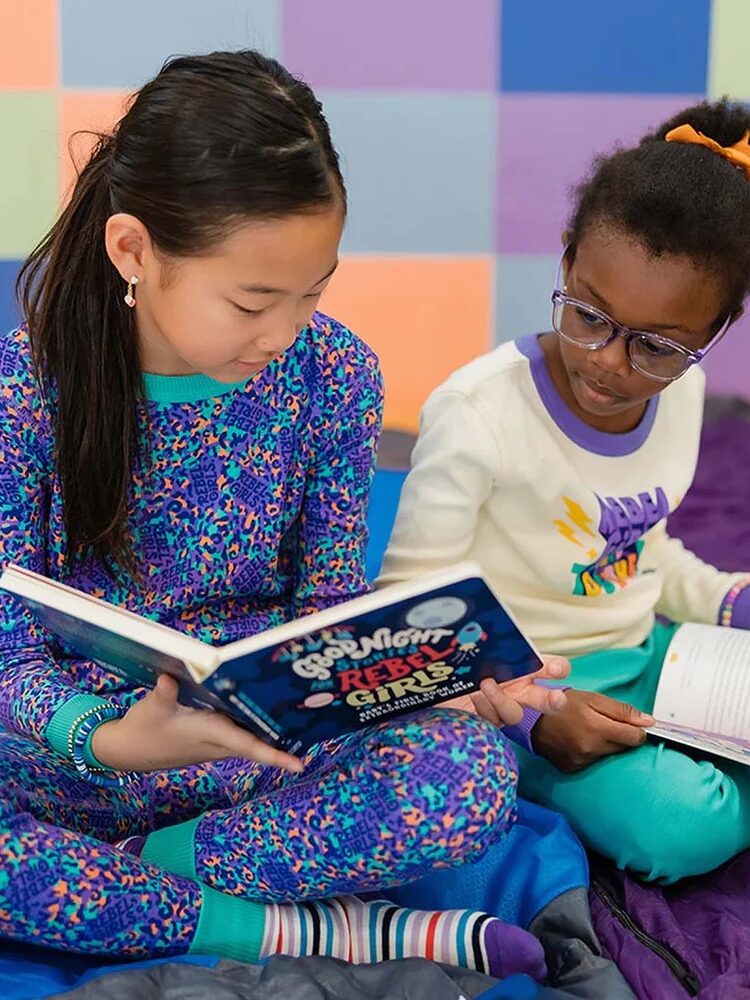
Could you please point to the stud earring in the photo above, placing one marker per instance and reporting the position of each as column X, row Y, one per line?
column 130, row 294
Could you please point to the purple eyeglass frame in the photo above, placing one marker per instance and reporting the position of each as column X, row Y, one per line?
column 560, row 297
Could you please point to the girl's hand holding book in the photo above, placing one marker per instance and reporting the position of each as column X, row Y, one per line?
column 159, row 733
column 503, row 704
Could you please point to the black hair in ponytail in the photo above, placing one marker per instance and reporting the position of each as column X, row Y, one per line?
column 212, row 141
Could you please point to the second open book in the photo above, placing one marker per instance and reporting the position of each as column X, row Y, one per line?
column 703, row 698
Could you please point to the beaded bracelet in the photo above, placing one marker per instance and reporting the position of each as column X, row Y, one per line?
column 78, row 737
column 727, row 607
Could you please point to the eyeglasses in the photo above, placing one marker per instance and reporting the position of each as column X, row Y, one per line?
column 652, row 355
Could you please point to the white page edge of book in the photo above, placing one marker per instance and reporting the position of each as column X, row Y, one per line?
column 199, row 658
column 663, row 731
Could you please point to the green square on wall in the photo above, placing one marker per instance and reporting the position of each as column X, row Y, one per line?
column 29, row 189
column 728, row 69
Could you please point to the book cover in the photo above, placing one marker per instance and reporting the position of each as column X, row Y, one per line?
column 380, row 664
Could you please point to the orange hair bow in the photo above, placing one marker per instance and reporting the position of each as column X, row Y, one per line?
column 738, row 154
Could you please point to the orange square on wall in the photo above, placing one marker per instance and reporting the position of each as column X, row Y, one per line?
column 29, row 56
column 424, row 316
column 84, row 111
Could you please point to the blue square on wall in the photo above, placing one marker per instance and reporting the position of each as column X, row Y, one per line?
column 419, row 168
column 585, row 46
column 9, row 317
column 104, row 46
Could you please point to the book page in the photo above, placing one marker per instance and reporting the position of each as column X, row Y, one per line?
column 730, row 748
column 705, row 681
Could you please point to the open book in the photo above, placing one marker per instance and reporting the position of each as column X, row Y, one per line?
column 394, row 651
column 703, row 698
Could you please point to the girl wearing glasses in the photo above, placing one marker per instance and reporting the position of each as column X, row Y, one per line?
column 556, row 461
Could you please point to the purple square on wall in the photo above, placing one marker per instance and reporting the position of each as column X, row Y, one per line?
column 418, row 45
column 546, row 148
column 727, row 366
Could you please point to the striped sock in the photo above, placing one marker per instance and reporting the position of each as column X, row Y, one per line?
column 358, row 931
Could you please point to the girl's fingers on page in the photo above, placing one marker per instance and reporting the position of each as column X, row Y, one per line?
column 619, row 711
column 621, row 734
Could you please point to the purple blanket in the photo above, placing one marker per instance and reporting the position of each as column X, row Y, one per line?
column 714, row 518
column 702, row 925
column 692, row 939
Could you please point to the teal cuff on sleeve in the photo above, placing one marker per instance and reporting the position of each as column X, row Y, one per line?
column 59, row 726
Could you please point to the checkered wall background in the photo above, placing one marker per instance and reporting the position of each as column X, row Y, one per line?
column 461, row 124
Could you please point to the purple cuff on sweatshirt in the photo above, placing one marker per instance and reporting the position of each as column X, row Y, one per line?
column 521, row 734
column 741, row 609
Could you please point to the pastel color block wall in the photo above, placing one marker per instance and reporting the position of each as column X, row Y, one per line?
column 462, row 125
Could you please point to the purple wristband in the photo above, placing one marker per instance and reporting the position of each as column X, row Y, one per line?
column 739, row 608
column 521, row 734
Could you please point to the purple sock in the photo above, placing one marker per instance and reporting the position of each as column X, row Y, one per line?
column 133, row 845
column 511, row 950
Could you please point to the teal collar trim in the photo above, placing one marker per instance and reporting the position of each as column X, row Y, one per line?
column 186, row 388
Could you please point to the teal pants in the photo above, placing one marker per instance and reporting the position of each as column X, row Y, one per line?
column 655, row 811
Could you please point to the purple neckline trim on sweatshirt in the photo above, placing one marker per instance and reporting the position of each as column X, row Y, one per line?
column 598, row 442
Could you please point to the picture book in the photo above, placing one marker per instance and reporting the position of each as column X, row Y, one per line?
column 703, row 697
column 393, row 651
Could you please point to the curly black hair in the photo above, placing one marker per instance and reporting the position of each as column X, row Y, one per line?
column 676, row 198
